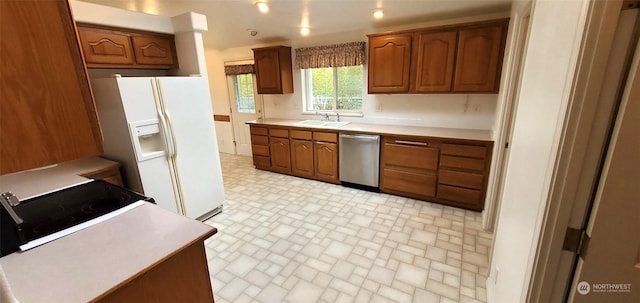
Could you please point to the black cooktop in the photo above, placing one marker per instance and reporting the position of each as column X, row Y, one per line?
column 53, row 212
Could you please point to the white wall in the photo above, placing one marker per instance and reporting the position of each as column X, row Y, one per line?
column 475, row 111
column 550, row 61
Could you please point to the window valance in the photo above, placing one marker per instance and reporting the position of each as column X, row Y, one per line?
column 345, row 54
column 231, row 70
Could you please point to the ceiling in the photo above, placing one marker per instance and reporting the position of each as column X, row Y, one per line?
column 229, row 20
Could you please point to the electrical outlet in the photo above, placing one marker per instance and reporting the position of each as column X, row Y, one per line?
column 476, row 108
column 378, row 107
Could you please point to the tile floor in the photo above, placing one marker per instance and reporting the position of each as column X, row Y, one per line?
column 287, row 239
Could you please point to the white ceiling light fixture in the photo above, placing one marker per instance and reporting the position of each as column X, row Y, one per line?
column 263, row 7
column 378, row 13
column 305, row 31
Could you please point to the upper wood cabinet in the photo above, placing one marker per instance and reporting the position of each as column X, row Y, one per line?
column 274, row 72
column 461, row 58
column 435, row 54
column 109, row 47
column 48, row 114
column 479, row 56
column 389, row 63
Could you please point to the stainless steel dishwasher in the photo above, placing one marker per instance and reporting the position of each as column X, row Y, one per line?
column 360, row 160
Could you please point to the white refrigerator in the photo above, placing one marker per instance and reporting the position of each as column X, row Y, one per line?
column 162, row 131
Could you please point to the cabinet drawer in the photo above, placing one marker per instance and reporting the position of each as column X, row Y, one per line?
column 261, row 161
column 301, row 134
column 458, row 162
column 419, row 184
column 259, row 140
column 260, row 150
column 259, row 131
column 464, row 150
column 280, row 133
column 325, row 137
column 410, row 156
column 458, row 194
column 461, row 179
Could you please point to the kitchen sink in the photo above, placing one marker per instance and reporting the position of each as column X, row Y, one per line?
column 320, row 123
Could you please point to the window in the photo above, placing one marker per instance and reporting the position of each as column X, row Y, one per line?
column 243, row 87
column 336, row 89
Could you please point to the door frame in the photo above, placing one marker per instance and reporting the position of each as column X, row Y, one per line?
column 583, row 139
column 258, row 99
column 517, row 45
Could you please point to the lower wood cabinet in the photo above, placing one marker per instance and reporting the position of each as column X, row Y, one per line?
column 183, row 277
column 280, row 155
column 326, row 161
column 463, row 173
column 409, row 166
column 304, row 153
column 302, row 158
column 260, row 147
column 446, row 171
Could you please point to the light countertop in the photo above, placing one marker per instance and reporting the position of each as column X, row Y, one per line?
column 87, row 264
column 387, row 129
column 27, row 184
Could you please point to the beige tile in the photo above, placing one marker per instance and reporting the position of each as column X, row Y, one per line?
column 287, row 239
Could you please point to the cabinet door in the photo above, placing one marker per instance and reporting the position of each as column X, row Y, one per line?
column 302, row 158
column 154, row 50
column 434, row 62
column 105, row 47
column 48, row 114
column 280, row 155
column 389, row 63
column 267, row 63
column 326, row 161
column 478, row 59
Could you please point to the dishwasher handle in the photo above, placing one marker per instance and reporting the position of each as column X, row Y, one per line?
column 360, row 137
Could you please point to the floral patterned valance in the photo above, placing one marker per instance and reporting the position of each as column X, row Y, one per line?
column 231, row 70
column 345, row 54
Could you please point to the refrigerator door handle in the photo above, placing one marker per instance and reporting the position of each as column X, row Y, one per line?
column 163, row 120
column 168, row 120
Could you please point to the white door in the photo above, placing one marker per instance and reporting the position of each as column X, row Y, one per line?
column 610, row 269
column 197, row 161
column 246, row 105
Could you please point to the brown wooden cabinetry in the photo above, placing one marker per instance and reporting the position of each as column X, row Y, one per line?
column 302, row 153
column 463, row 174
column 389, row 63
column 109, row 174
column 409, row 166
column 460, row 58
column 435, row 54
column 325, row 154
column 110, row 47
column 48, row 114
column 260, row 147
column 479, row 58
column 274, row 74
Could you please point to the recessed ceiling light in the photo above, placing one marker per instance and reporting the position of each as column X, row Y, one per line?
column 378, row 14
column 263, row 7
column 304, row 31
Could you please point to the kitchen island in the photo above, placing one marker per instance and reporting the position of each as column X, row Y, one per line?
column 146, row 254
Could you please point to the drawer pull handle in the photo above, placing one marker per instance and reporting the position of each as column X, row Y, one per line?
column 412, row 143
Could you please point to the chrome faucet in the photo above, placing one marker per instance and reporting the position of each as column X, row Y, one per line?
column 326, row 116
column 338, row 117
